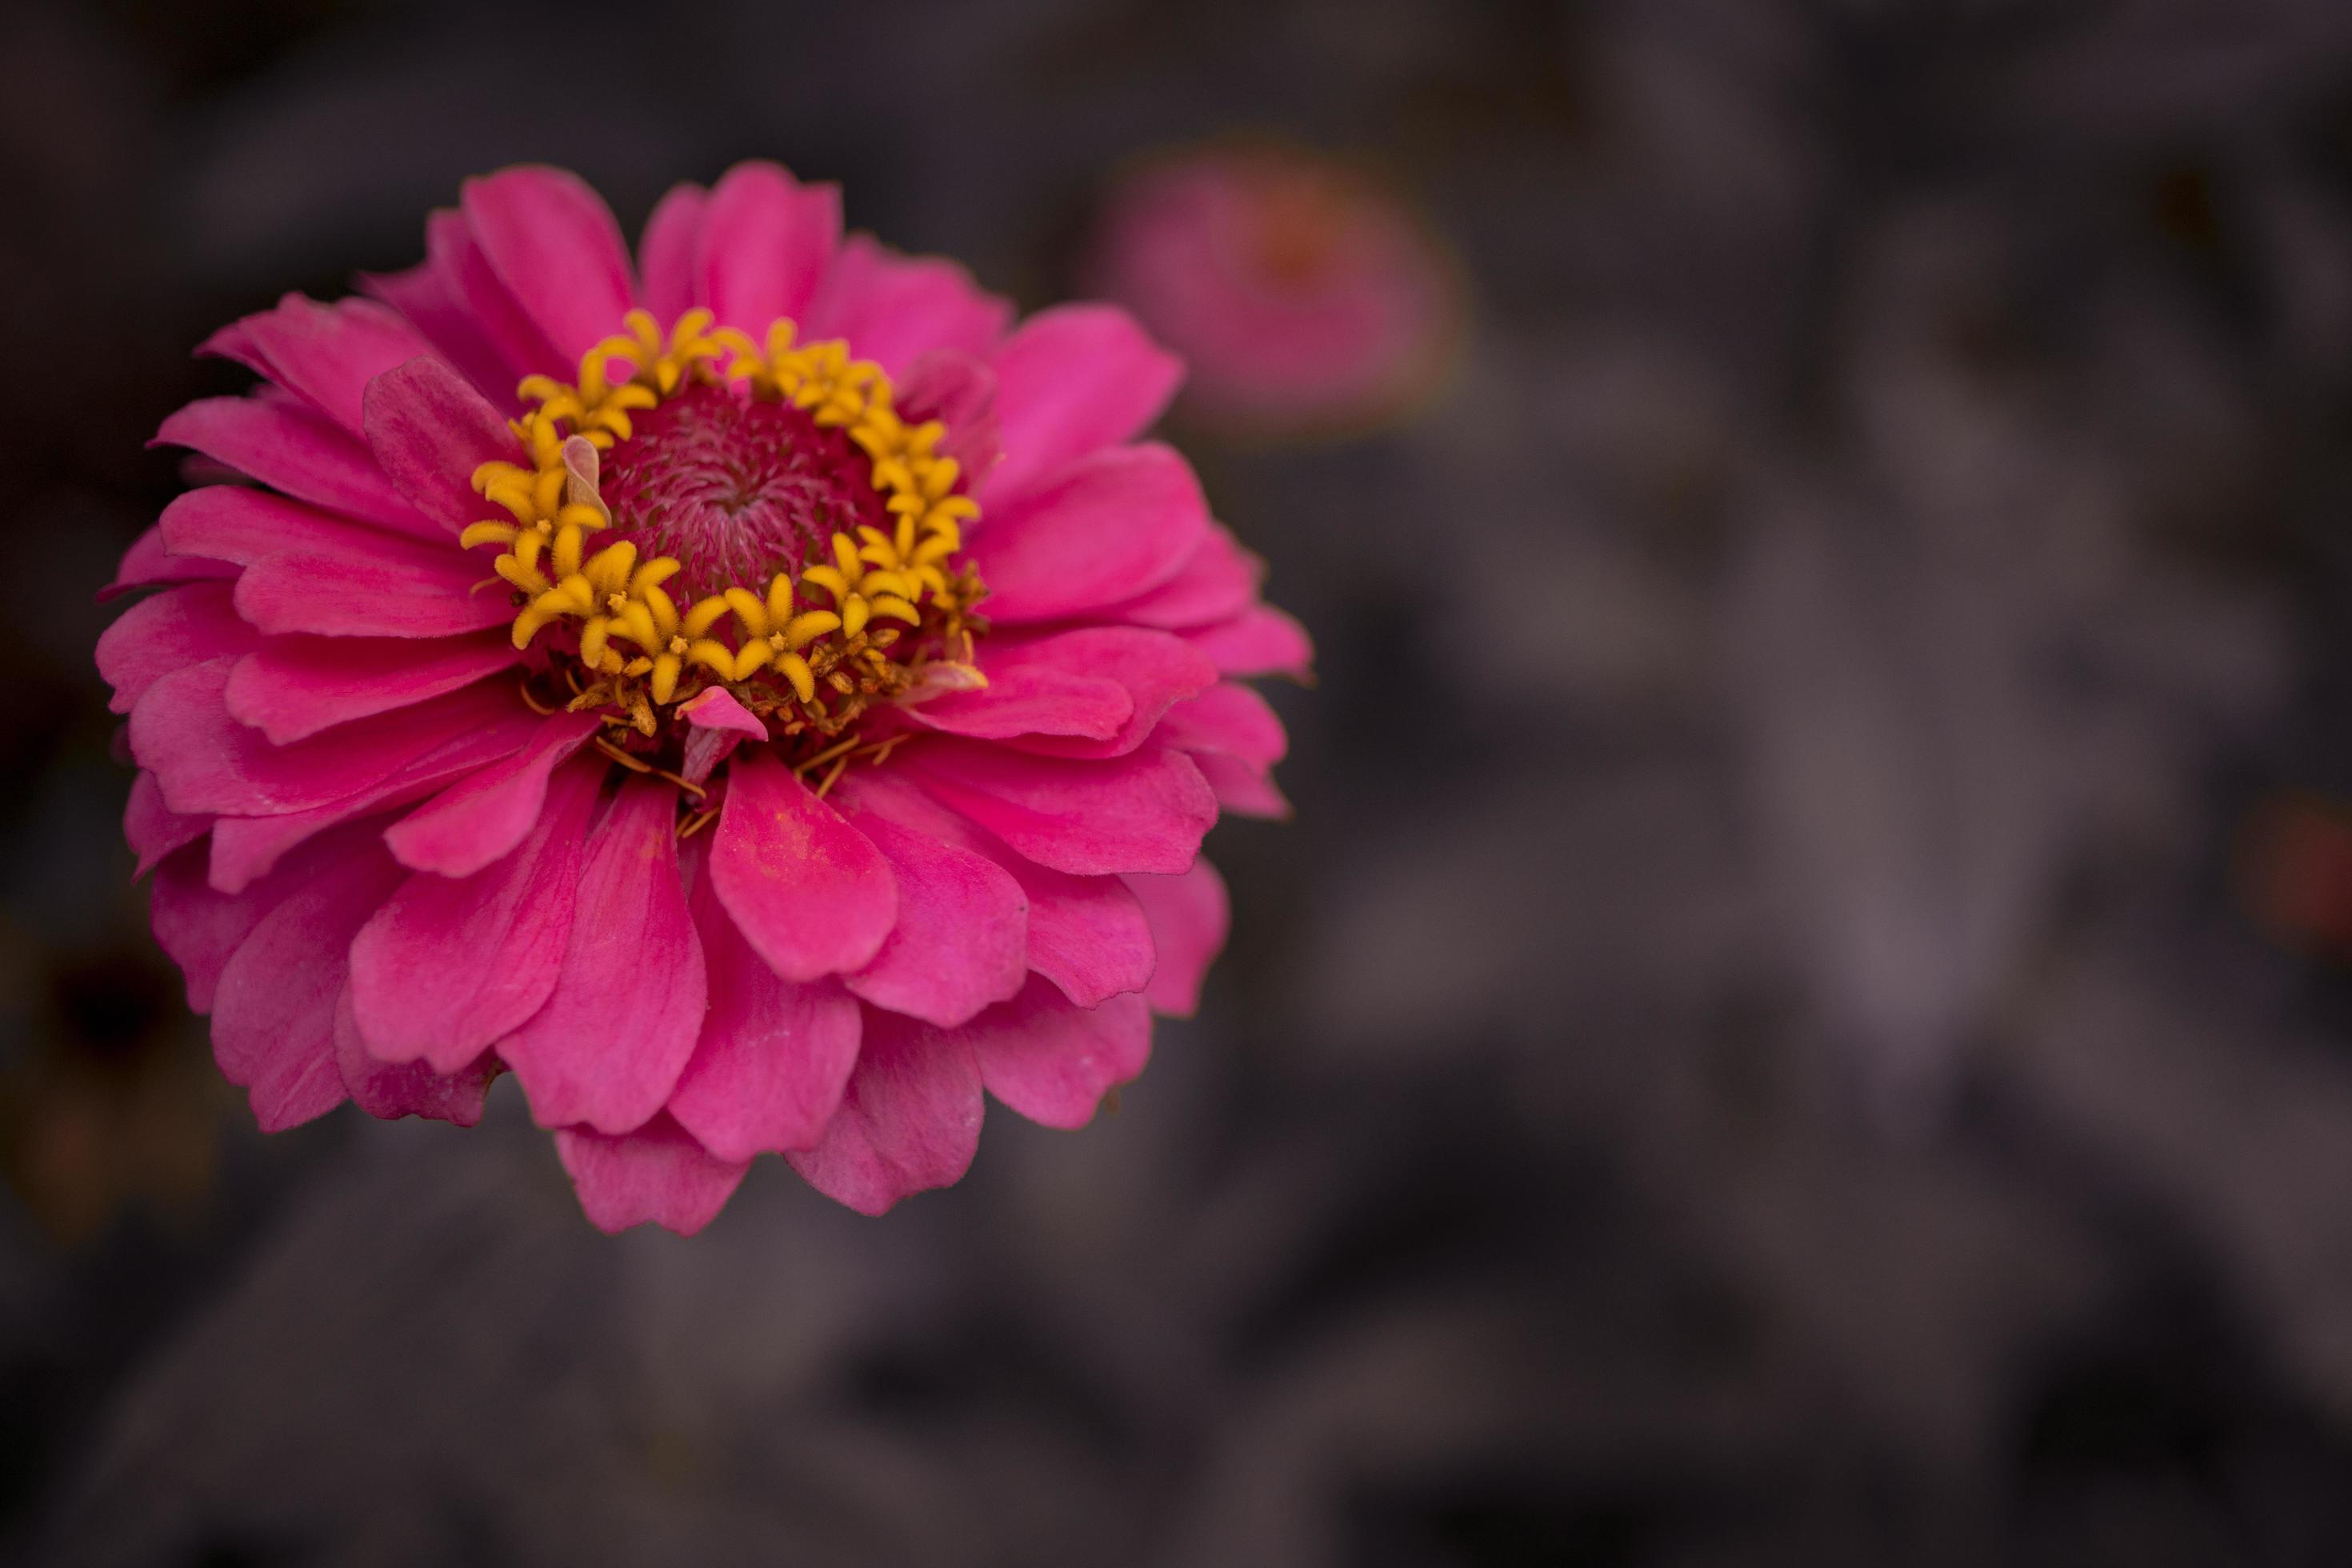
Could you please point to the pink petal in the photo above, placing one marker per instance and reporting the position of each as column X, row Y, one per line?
column 768, row 1071
column 201, row 927
column 206, row 760
column 607, row 1047
column 390, row 590
column 198, row 928
column 811, row 893
column 553, row 244
column 274, row 1014
column 1190, row 916
column 148, row 564
column 499, row 316
column 307, row 571
column 1242, row 788
column 959, row 391
column 1029, row 700
column 1261, row 640
column 1232, row 738
column 1053, row 1062
column 290, row 447
column 961, row 939
column 292, row 688
column 326, row 353
column 428, row 430
column 432, row 298
column 910, row 1119
column 766, row 239
column 1071, row 381
column 1228, row 717
column 244, row 847
column 1086, row 934
column 177, row 627
column 1217, row 582
column 1154, row 668
column 239, row 524
column 484, row 816
column 1143, row 812
column 155, row 829
column 893, row 308
column 669, row 250
column 1105, row 528
column 450, row 966
column 387, row 1091
column 717, row 725
column 657, row 1172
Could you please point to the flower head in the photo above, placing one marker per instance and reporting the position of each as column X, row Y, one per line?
column 1303, row 295
column 757, row 695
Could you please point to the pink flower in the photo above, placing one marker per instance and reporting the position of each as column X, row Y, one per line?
column 1302, row 296
column 757, row 695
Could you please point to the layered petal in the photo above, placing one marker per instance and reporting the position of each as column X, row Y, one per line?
column 810, row 892
column 431, row 298
column 292, row 688
column 552, row 243
column 452, row 965
column 429, row 429
column 153, row 829
column 483, row 816
column 514, row 337
column 1261, row 640
column 1153, row 668
column 206, row 761
column 669, row 253
column 657, row 1174
column 326, row 353
column 1086, row 934
column 150, row 563
column 289, row 446
column 389, row 1090
column 244, row 847
column 774, row 1054
column 910, row 1119
column 962, row 938
column 390, row 590
column 893, row 308
column 766, row 239
column 1053, row 1062
column 1234, row 738
column 1035, row 698
column 1216, row 582
column 1143, row 812
column 608, row 1046
column 1105, row 528
column 1189, row 915
column 274, row 1013
column 1070, row 381
column 177, row 627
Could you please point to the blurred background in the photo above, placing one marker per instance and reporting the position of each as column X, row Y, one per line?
column 1802, row 1018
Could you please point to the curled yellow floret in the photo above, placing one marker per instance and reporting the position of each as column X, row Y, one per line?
column 636, row 645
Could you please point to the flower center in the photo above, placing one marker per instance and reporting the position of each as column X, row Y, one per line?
column 811, row 537
column 737, row 488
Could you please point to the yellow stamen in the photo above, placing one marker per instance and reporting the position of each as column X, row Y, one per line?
column 639, row 649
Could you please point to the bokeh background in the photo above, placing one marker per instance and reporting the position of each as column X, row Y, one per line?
column 1802, row 1018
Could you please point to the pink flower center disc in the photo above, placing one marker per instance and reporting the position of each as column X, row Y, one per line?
column 736, row 487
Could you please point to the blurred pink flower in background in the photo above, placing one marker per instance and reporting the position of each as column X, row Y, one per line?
column 897, row 800
column 1304, row 296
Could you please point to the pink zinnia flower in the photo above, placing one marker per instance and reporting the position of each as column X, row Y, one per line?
column 752, row 694
column 1302, row 295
